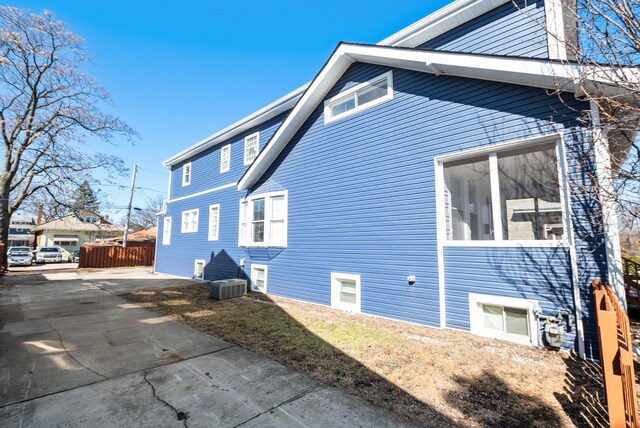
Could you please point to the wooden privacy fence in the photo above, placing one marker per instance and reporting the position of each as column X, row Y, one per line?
column 111, row 257
column 631, row 270
column 616, row 358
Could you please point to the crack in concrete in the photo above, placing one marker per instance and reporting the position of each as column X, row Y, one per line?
column 13, row 403
column 181, row 416
column 71, row 356
column 271, row 409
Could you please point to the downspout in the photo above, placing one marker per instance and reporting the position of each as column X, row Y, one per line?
column 608, row 205
column 573, row 257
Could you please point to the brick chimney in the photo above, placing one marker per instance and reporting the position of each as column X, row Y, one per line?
column 39, row 219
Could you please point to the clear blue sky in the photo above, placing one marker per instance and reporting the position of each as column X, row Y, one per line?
column 180, row 71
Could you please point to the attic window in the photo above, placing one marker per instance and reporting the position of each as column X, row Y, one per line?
column 251, row 146
column 363, row 96
column 186, row 174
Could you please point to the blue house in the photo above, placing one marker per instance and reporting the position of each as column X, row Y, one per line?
column 433, row 178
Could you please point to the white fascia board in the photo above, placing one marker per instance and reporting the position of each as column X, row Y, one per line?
column 569, row 77
column 268, row 112
column 537, row 73
column 441, row 21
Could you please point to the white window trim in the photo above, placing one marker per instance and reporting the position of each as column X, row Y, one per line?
column 195, row 268
column 267, row 220
column 225, row 152
column 328, row 104
column 182, row 229
column 186, row 178
column 254, row 267
column 335, row 292
column 166, row 237
column 491, row 151
column 476, row 316
column 215, row 237
column 246, row 139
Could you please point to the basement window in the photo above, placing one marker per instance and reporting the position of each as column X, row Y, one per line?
column 345, row 291
column 361, row 97
column 198, row 269
column 506, row 318
column 259, row 278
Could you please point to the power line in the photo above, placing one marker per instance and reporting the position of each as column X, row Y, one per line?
column 153, row 171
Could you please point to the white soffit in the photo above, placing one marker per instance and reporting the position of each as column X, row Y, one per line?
column 529, row 72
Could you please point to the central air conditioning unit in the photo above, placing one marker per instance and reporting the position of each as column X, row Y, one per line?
column 227, row 289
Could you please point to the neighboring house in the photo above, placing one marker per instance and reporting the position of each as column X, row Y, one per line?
column 433, row 178
column 20, row 230
column 72, row 232
column 141, row 238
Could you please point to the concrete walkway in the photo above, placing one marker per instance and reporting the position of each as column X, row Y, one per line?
column 72, row 353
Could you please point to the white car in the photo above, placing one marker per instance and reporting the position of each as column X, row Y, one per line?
column 49, row 255
column 19, row 256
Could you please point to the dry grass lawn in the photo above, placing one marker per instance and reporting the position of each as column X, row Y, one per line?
column 427, row 376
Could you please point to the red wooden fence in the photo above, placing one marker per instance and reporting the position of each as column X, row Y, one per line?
column 616, row 358
column 111, row 257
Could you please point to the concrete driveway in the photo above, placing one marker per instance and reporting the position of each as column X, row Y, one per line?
column 72, row 353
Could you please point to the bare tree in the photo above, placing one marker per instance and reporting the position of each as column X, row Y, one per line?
column 48, row 109
column 146, row 217
column 602, row 39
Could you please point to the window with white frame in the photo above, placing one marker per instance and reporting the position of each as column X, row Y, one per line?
column 259, row 277
column 510, row 195
column 251, row 147
column 198, row 269
column 66, row 240
column 214, row 222
column 345, row 291
column 190, row 221
column 363, row 96
column 186, row 174
column 263, row 220
column 505, row 318
column 166, row 231
column 225, row 158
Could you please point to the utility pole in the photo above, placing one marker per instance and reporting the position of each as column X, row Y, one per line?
column 133, row 186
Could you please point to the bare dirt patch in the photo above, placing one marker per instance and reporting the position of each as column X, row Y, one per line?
column 427, row 376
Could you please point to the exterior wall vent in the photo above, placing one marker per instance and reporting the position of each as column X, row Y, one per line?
column 227, row 289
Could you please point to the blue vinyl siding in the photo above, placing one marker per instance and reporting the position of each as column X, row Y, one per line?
column 205, row 167
column 221, row 256
column 361, row 200
column 516, row 30
column 542, row 274
column 362, row 196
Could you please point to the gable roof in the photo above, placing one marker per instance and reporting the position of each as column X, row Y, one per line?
column 522, row 71
column 72, row 223
column 427, row 28
column 145, row 235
